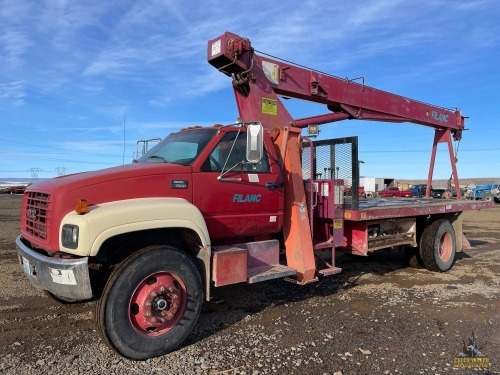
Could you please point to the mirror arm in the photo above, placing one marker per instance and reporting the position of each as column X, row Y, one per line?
column 223, row 173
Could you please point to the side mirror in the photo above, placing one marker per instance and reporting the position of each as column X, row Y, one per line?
column 255, row 142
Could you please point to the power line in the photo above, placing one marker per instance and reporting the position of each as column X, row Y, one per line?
column 18, row 155
column 424, row 151
column 54, row 148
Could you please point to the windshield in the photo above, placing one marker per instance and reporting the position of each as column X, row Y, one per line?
column 179, row 148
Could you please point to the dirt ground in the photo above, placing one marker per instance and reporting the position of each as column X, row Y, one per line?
column 377, row 317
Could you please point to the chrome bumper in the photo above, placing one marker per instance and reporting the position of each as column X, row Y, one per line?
column 63, row 277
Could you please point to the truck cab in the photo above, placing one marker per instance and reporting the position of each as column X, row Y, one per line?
column 197, row 180
column 418, row 190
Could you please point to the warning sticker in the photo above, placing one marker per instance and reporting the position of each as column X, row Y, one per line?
column 271, row 71
column 216, row 48
column 337, row 224
column 252, row 177
column 269, row 106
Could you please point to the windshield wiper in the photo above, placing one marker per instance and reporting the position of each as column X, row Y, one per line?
column 158, row 157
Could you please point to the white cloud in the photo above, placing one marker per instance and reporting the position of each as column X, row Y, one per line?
column 13, row 91
column 13, row 45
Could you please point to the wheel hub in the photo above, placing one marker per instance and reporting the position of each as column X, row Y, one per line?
column 158, row 303
column 445, row 247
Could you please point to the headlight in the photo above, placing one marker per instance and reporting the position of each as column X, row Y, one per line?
column 69, row 236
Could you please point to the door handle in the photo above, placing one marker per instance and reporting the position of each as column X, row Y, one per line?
column 272, row 185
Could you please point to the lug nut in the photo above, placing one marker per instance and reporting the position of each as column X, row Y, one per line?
column 148, row 303
column 175, row 296
column 148, row 314
column 170, row 290
column 162, row 320
column 175, row 306
column 153, row 294
column 153, row 320
column 162, row 289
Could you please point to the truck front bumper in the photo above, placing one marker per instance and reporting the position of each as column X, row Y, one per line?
column 68, row 278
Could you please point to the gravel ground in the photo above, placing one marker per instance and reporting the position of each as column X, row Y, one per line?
column 376, row 317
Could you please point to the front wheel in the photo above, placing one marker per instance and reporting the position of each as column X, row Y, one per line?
column 150, row 303
column 438, row 246
column 488, row 197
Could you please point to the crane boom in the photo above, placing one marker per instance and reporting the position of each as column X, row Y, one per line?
column 348, row 99
column 259, row 81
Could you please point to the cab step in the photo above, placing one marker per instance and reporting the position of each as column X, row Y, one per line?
column 250, row 262
column 258, row 274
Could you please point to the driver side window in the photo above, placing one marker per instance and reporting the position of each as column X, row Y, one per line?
column 226, row 156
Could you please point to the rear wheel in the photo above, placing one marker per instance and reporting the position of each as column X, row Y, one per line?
column 438, row 246
column 150, row 303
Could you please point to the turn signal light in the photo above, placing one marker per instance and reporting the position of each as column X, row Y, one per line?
column 81, row 206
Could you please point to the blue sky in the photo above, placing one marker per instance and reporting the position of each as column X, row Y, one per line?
column 73, row 73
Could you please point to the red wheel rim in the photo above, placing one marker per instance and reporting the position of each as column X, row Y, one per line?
column 157, row 304
column 445, row 247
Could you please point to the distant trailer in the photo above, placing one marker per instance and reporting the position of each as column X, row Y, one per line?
column 13, row 190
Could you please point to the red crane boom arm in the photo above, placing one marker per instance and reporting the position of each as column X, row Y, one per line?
column 347, row 99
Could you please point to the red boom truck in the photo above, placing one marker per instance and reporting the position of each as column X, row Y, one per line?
column 220, row 205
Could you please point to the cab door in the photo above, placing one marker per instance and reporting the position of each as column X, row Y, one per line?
column 237, row 198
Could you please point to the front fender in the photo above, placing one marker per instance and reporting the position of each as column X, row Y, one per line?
column 107, row 220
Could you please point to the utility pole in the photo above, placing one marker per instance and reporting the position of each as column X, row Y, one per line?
column 34, row 174
column 61, row 171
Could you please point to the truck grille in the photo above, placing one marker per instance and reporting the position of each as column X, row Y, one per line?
column 38, row 215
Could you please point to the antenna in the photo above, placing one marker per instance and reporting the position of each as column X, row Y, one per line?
column 124, row 124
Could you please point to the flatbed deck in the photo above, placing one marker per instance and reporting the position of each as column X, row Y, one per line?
column 381, row 208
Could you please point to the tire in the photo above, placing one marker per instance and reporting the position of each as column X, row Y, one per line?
column 488, row 197
column 60, row 299
column 150, row 303
column 438, row 246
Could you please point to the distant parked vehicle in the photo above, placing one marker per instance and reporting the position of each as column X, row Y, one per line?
column 361, row 191
column 454, row 192
column 489, row 192
column 437, row 193
column 418, row 190
column 394, row 192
